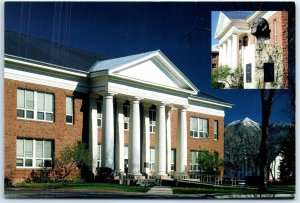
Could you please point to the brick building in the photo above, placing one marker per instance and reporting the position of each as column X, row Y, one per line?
column 237, row 46
column 137, row 114
column 214, row 58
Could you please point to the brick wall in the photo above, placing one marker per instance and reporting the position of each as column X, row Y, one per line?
column 198, row 144
column 61, row 133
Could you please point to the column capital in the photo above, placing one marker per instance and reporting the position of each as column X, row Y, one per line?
column 147, row 105
column 135, row 99
column 108, row 94
column 120, row 101
column 182, row 107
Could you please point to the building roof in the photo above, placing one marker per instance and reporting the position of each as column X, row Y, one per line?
column 242, row 15
column 116, row 62
column 208, row 97
column 43, row 51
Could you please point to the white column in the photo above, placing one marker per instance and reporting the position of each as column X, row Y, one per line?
column 93, row 131
column 220, row 47
column 224, row 55
column 120, row 137
column 235, row 51
column 146, row 140
column 161, row 140
column 181, row 154
column 134, row 138
column 107, row 147
column 229, row 59
column 168, row 123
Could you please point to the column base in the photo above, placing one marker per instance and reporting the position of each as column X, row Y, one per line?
column 136, row 176
column 163, row 177
column 180, row 176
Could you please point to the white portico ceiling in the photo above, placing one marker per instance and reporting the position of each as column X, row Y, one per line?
column 230, row 22
column 150, row 67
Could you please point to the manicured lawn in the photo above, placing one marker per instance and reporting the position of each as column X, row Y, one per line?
column 96, row 186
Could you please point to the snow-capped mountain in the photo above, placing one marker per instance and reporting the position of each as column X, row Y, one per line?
column 245, row 122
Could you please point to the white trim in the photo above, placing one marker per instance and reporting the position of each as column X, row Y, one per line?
column 226, row 105
column 39, row 79
column 205, row 110
column 146, row 94
column 49, row 68
column 157, row 86
column 161, row 58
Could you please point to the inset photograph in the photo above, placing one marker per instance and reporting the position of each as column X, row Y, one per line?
column 249, row 49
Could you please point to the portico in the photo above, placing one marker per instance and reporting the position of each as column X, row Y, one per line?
column 166, row 89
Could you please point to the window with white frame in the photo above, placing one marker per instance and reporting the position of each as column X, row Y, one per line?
column 99, row 155
column 152, row 119
column 194, row 164
column 216, row 130
column 194, row 159
column 69, row 110
column 275, row 30
column 199, row 127
column 33, row 153
column 35, row 105
column 99, row 113
column 152, row 159
column 173, row 160
column 126, row 111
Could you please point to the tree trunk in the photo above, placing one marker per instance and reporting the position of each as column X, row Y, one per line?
column 266, row 101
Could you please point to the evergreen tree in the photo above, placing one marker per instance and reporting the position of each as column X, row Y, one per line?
column 287, row 164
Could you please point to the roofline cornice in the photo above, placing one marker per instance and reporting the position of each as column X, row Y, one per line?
column 211, row 102
column 44, row 66
column 156, row 86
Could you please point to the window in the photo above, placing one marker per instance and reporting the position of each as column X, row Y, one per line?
column 126, row 111
column 194, row 159
column 248, row 73
column 126, row 159
column 152, row 119
column 99, row 113
column 173, row 160
column 34, row 153
column 216, row 130
column 34, row 105
column 194, row 165
column 69, row 110
column 152, row 159
column 198, row 127
column 99, row 155
column 275, row 30
column 269, row 72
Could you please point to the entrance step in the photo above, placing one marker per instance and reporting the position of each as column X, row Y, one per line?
column 160, row 190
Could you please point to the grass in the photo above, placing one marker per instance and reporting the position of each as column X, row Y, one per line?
column 95, row 186
column 240, row 191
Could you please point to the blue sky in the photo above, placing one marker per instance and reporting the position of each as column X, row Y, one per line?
column 214, row 21
column 182, row 31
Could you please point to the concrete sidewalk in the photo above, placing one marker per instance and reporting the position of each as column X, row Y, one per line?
column 160, row 190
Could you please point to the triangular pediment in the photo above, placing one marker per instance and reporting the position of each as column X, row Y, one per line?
column 155, row 69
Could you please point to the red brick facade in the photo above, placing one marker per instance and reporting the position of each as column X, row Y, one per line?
column 63, row 134
column 59, row 132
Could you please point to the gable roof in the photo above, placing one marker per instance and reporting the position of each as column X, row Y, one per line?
column 139, row 67
column 23, row 47
column 117, row 62
column 43, row 51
